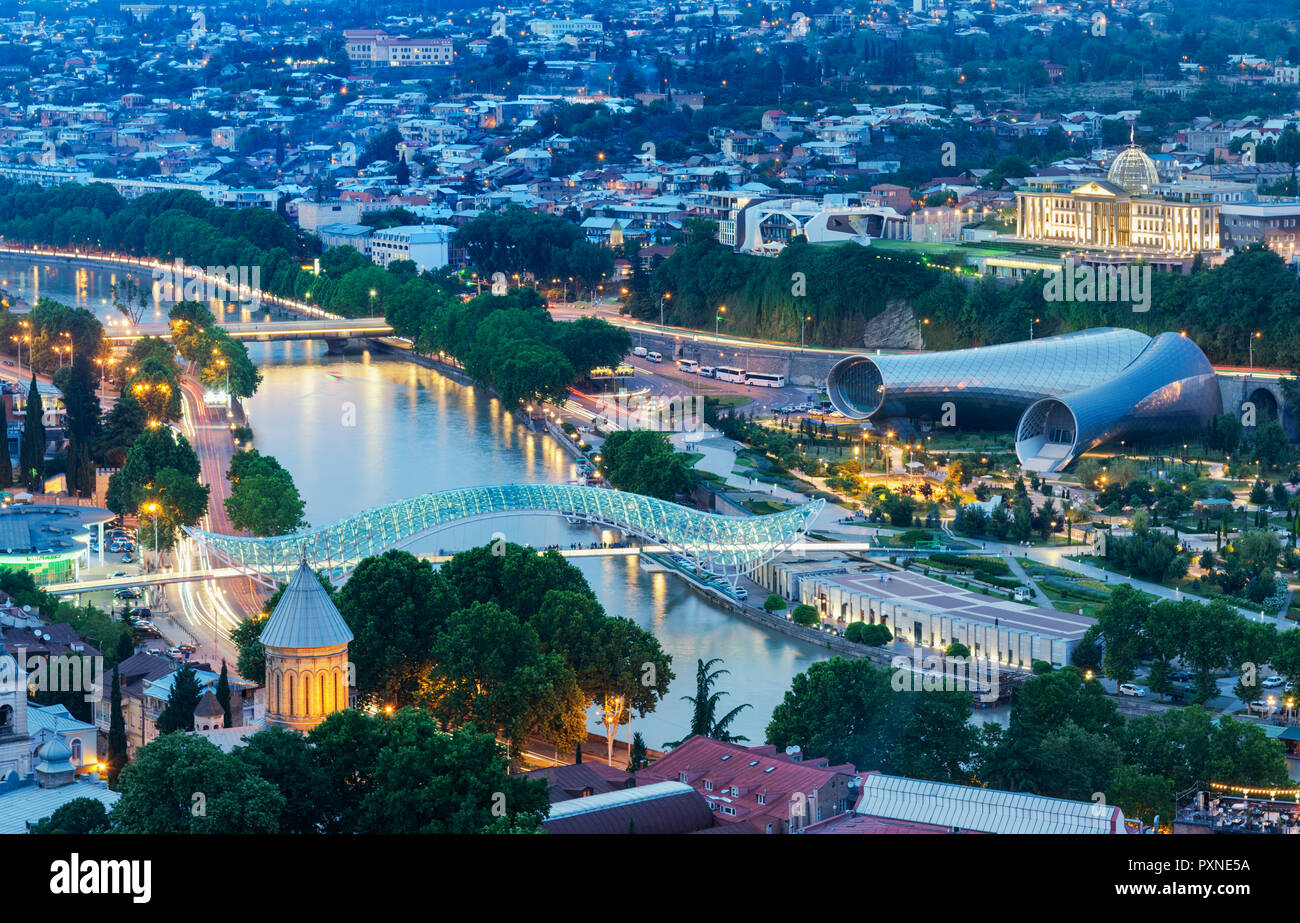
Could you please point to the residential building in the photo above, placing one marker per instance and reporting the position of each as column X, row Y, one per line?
column 757, row 787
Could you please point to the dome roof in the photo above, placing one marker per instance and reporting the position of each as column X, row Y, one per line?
column 1134, row 171
column 55, row 758
column 305, row 616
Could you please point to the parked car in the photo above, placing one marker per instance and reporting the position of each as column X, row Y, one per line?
column 1132, row 689
column 1181, row 676
column 128, row 592
column 639, row 352
column 1273, row 682
column 127, row 559
column 1259, row 707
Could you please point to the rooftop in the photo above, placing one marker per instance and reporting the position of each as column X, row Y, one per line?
column 305, row 616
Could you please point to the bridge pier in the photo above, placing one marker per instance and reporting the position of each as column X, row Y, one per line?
column 334, row 345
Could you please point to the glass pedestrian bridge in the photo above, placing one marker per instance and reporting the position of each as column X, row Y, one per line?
column 723, row 546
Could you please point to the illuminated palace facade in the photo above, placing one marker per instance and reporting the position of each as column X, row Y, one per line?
column 1129, row 210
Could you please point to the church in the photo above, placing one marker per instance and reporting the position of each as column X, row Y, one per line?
column 306, row 642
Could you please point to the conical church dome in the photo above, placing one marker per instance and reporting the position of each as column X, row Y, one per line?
column 305, row 616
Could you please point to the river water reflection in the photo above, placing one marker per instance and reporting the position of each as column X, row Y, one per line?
column 364, row 429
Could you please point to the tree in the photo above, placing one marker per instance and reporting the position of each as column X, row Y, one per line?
column 285, row 759
column 178, row 715
column 263, row 499
column 160, row 468
column 83, row 424
column 804, row 614
column 775, row 603
column 396, row 606
column 251, row 660
column 637, row 756
column 489, row 669
column 644, row 462
column 871, row 634
column 840, row 709
column 704, row 719
column 428, row 782
column 79, row 816
column 223, row 696
column 1121, row 621
column 938, row 741
column 183, row 783
column 31, row 449
column 116, row 732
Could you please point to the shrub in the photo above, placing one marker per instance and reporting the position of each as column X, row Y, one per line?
column 869, row 634
column 805, row 614
column 774, row 603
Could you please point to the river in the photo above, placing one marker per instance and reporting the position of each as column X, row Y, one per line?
column 416, row 431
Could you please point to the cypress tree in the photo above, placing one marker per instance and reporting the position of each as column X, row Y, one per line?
column 6, row 465
column 223, row 696
column 184, row 698
column 116, row 732
column 31, row 451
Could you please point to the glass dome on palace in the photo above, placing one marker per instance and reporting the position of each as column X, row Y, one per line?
column 1061, row 395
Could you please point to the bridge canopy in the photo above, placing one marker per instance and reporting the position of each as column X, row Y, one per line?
column 719, row 545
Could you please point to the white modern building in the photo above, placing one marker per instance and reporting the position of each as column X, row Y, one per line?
column 426, row 245
column 766, row 227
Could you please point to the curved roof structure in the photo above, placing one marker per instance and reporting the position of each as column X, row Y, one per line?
column 1134, row 171
column 1062, row 394
column 1170, row 386
column 720, row 545
column 989, row 385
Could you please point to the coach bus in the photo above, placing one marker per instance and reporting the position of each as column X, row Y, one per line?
column 725, row 373
column 764, row 380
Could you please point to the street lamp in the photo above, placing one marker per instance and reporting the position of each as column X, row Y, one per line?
column 1252, row 350
column 667, row 296
column 805, row 320
column 717, row 319
column 152, row 508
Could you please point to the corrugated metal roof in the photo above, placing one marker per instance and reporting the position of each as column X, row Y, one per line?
column 33, row 803
column 970, row 808
column 305, row 616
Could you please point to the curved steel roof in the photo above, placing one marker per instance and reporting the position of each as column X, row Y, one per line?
column 987, row 385
column 1062, row 394
column 1171, row 386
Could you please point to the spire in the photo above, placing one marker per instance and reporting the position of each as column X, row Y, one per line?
column 305, row 616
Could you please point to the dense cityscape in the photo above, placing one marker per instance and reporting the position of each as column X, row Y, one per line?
column 732, row 417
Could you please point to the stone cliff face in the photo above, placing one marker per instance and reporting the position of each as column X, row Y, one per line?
column 893, row 328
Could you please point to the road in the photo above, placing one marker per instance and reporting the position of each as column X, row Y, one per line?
column 211, row 608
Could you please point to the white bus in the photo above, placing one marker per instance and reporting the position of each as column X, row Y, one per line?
column 763, row 380
column 688, row 365
column 725, row 373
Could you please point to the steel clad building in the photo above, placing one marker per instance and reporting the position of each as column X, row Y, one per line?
column 1062, row 395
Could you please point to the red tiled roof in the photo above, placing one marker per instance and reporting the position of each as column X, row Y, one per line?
column 715, row 769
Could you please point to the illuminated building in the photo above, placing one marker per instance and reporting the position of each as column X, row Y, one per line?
column 1129, row 210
